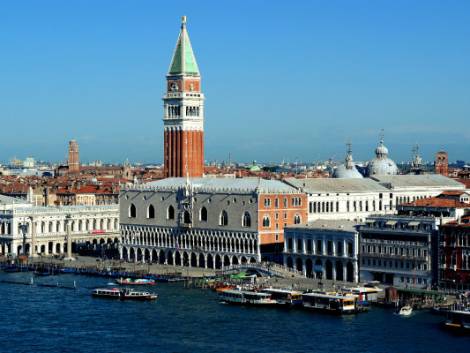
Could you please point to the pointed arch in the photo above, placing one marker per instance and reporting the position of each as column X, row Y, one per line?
column 266, row 221
column 297, row 219
column 223, row 220
column 246, row 220
column 170, row 214
column 132, row 212
column 150, row 211
column 203, row 214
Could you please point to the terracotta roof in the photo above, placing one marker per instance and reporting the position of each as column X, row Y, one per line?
column 452, row 193
column 437, row 202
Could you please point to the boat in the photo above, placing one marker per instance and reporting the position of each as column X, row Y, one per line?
column 284, row 296
column 365, row 295
column 405, row 310
column 130, row 294
column 245, row 297
column 112, row 293
column 123, row 294
column 458, row 320
column 223, row 288
column 331, row 302
column 136, row 282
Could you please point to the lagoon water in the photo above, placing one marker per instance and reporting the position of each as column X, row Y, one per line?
column 41, row 319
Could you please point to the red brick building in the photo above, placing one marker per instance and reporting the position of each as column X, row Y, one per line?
column 441, row 164
column 455, row 254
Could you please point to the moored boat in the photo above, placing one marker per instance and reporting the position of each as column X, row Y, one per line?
column 458, row 320
column 334, row 303
column 136, row 282
column 284, row 296
column 123, row 294
column 243, row 297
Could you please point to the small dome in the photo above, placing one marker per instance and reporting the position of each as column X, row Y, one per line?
column 381, row 164
column 343, row 172
column 381, row 150
column 384, row 166
column 347, row 170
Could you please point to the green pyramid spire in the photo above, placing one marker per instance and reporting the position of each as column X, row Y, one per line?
column 184, row 61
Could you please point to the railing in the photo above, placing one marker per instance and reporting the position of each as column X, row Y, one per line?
column 270, row 268
column 396, row 257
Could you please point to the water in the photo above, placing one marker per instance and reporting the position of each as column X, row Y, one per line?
column 41, row 319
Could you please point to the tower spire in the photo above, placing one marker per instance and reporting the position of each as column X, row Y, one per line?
column 184, row 61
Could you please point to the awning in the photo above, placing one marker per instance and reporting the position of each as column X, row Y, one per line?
column 391, row 223
column 413, row 223
column 370, row 221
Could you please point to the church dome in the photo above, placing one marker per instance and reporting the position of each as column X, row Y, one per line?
column 381, row 164
column 347, row 170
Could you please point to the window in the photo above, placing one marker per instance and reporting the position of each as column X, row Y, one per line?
column 297, row 219
column 289, row 244
column 223, row 221
column 276, row 203
column 203, row 214
column 285, row 202
column 170, row 214
column 267, row 202
column 246, row 221
column 151, row 212
column 319, row 247
column 339, row 249
column 299, row 245
column 296, row 201
column 132, row 211
column 186, row 217
column 350, row 249
column 266, row 221
column 330, row 247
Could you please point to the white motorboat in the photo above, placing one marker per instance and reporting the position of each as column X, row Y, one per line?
column 405, row 310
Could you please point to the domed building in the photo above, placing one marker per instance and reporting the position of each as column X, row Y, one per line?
column 347, row 170
column 381, row 164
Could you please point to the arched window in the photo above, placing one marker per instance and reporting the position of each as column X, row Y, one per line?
column 297, row 219
column 170, row 213
column 223, row 218
column 203, row 214
column 246, row 221
column 132, row 211
column 187, row 217
column 266, row 221
column 151, row 212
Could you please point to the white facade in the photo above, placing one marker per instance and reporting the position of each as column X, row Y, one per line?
column 356, row 199
column 324, row 249
column 42, row 230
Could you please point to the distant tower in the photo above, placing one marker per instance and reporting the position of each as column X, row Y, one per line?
column 74, row 160
column 441, row 165
column 183, row 117
column 416, row 162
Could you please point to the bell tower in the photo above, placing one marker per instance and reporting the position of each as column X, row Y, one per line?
column 183, row 116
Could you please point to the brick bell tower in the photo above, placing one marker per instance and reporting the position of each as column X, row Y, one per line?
column 183, row 117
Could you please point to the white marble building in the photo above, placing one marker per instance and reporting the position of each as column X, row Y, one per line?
column 34, row 230
column 356, row 199
column 324, row 249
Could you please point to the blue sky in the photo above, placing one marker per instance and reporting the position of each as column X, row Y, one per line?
column 283, row 80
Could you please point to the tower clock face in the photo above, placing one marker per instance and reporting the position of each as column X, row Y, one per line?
column 174, row 87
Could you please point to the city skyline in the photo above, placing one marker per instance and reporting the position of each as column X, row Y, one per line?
column 99, row 76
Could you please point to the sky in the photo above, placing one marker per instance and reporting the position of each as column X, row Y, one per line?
column 283, row 80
